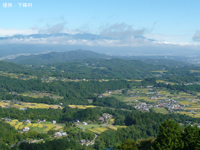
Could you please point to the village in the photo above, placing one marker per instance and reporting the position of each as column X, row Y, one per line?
column 27, row 125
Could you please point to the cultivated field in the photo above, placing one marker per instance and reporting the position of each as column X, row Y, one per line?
column 98, row 129
column 39, row 127
column 29, row 105
column 82, row 107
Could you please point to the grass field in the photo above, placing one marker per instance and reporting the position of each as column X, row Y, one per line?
column 112, row 127
column 161, row 110
column 89, row 126
column 100, row 128
column 95, row 131
column 48, row 127
column 97, row 128
column 193, row 71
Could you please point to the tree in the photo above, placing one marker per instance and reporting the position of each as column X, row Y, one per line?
column 169, row 136
column 191, row 138
column 128, row 145
column 145, row 144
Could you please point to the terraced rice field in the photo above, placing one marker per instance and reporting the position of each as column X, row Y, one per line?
column 95, row 131
column 18, row 125
column 185, row 102
column 40, row 126
column 121, row 126
column 112, row 127
column 101, row 129
column 35, row 126
column 48, row 127
column 21, row 127
column 28, row 124
column 13, row 123
column 81, row 106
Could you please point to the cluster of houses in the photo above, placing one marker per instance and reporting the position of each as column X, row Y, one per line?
column 78, row 122
column 41, row 120
column 59, row 134
column 6, row 119
column 26, row 129
column 170, row 104
column 105, row 117
column 143, row 106
column 86, row 142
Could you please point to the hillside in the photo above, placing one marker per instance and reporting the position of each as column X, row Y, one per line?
column 11, row 67
column 56, row 57
column 102, row 68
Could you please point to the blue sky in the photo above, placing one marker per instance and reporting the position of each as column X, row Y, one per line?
column 165, row 21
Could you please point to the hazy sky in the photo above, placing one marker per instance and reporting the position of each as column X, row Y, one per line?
column 165, row 21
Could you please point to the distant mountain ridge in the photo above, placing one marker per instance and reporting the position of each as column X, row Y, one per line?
column 57, row 57
column 86, row 36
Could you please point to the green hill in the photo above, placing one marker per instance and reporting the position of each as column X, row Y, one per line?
column 56, row 57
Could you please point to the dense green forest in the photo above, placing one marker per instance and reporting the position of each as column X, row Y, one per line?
column 73, row 92
column 170, row 136
column 100, row 68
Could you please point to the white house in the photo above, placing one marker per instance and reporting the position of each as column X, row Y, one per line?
column 58, row 134
column 26, row 129
column 84, row 123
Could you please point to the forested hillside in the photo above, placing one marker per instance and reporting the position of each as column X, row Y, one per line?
column 55, row 57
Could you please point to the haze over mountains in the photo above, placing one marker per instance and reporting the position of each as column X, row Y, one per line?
column 57, row 57
column 87, row 36
column 81, row 55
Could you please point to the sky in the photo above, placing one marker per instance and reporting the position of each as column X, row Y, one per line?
column 119, row 23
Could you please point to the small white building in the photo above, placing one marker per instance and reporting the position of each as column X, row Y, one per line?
column 54, row 121
column 58, row 134
column 63, row 133
column 84, row 123
column 26, row 129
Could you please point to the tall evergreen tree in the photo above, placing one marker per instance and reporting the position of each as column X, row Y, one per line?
column 169, row 136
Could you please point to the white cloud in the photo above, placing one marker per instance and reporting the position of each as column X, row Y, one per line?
column 13, row 31
column 62, row 40
column 121, row 30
